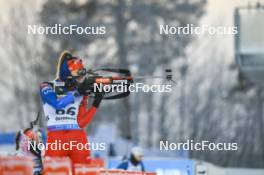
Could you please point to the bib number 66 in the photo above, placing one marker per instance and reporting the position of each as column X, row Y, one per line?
column 69, row 111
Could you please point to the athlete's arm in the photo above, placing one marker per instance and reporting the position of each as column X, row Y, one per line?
column 49, row 96
column 85, row 116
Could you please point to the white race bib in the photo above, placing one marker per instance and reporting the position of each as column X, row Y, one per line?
column 63, row 119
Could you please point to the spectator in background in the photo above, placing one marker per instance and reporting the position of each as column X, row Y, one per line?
column 134, row 163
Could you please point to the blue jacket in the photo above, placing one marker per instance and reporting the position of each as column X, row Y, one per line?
column 49, row 96
column 127, row 165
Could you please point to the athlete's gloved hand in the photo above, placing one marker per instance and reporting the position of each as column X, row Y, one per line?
column 98, row 98
column 83, row 88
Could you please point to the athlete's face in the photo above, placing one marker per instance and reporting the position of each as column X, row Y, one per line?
column 138, row 157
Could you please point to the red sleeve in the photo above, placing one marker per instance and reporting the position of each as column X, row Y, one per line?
column 85, row 115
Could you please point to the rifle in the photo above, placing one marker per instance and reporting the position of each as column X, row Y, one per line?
column 122, row 78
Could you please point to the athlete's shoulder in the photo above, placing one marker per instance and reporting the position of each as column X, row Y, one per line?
column 46, row 86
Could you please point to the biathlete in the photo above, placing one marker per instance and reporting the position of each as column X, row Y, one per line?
column 66, row 110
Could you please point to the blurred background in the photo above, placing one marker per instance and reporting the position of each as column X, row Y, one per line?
column 214, row 99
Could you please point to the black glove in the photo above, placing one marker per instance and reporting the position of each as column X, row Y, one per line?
column 98, row 98
column 84, row 87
